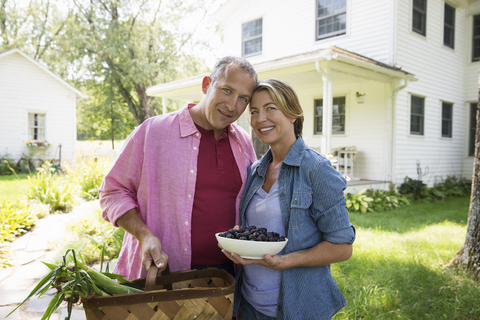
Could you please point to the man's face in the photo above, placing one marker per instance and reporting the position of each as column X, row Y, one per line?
column 227, row 97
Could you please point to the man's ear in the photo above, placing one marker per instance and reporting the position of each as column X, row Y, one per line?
column 205, row 84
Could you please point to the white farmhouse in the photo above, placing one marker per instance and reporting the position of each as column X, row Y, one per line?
column 396, row 80
column 37, row 110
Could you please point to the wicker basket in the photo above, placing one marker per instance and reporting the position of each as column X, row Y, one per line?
column 196, row 294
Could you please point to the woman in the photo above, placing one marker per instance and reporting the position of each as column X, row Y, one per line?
column 294, row 191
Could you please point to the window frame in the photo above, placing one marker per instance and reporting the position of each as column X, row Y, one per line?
column 422, row 116
column 472, row 127
column 447, row 121
column 36, row 127
column 449, row 28
column 475, row 37
column 423, row 14
column 244, row 40
column 331, row 34
column 315, row 116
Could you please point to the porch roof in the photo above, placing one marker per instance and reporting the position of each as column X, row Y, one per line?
column 342, row 64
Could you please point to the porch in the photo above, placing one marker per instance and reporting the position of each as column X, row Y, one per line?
column 355, row 185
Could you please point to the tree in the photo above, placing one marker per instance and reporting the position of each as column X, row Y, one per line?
column 131, row 45
column 469, row 254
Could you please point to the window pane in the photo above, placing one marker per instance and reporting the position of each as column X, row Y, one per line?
column 252, row 37
column 252, row 29
column 449, row 26
column 420, row 4
column 447, row 117
column 253, row 46
column 331, row 7
column 419, row 15
column 476, row 38
column 416, row 115
column 473, row 127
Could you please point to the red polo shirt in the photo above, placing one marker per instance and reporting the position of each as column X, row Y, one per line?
column 218, row 184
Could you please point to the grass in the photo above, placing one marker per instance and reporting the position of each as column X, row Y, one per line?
column 398, row 268
column 13, row 187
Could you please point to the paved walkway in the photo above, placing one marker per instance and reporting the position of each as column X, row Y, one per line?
column 28, row 252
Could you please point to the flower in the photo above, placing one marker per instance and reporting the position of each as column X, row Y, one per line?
column 37, row 144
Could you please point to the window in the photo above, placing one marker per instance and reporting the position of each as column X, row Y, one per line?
column 252, row 38
column 36, row 127
column 338, row 116
column 449, row 26
column 447, row 116
column 476, row 38
column 417, row 112
column 419, row 17
column 472, row 129
column 331, row 18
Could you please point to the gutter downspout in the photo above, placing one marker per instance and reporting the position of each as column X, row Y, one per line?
column 394, row 126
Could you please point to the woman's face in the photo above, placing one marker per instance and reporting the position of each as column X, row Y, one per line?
column 271, row 126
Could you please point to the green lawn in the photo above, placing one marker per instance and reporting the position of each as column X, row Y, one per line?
column 398, row 268
column 12, row 187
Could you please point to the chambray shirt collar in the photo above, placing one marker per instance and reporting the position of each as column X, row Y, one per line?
column 294, row 157
column 187, row 126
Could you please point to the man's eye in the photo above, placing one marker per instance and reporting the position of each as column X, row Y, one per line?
column 227, row 90
column 244, row 99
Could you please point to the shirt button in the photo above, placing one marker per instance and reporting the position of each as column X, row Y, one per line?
column 191, row 171
column 194, row 148
column 186, row 249
column 295, row 201
column 279, row 307
column 186, row 223
column 281, row 194
column 189, row 196
column 197, row 134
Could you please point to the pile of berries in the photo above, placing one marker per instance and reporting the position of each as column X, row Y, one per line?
column 252, row 233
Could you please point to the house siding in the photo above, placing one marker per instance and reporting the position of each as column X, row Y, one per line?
column 24, row 88
column 441, row 77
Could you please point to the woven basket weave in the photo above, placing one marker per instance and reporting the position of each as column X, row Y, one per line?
column 196, row 294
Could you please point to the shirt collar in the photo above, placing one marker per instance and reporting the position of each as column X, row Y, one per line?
column 294, row 157
column 187, row 126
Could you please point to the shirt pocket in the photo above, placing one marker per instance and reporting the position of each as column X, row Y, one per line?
column 299, row 208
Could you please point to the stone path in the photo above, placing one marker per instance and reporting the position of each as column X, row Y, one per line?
column 28, row 252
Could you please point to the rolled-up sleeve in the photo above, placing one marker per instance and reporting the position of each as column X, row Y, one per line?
column 328, row 204
column 118, row 192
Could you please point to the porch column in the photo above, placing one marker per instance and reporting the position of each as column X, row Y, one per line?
column 164, row 105
column 327, row 115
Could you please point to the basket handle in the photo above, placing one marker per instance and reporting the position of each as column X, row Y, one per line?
column 151, row 279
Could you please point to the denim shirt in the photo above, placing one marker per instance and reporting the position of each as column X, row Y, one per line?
column 313, row 210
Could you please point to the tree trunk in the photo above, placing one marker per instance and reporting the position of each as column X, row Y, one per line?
column 469, row 254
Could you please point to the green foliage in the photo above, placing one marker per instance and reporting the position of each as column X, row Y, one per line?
column 47, row 187
column 452, row 187
column 91, row 236
column 89, row 172
column 399, row 267
column 6, row 166
column 17, row 218
column 416, row 189
column 358, row 202
column 386, row 200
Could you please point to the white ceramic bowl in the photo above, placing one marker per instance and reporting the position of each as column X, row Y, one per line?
column 250, row 249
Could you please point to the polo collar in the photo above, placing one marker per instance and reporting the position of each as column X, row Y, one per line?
column 187, row 126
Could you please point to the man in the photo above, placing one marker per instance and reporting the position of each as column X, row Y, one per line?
column 179, row 178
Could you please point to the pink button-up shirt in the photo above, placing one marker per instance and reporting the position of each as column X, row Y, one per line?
column 157, row 169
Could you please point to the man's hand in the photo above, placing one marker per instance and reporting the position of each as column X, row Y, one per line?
column 151, row 246
column 152, row 252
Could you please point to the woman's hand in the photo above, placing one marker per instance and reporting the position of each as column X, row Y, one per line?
column 272, row 262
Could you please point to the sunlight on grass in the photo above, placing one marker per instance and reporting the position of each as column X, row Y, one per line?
column 13, row 187
column 398, row 272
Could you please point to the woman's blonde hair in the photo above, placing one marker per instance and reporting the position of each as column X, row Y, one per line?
column 285, row 99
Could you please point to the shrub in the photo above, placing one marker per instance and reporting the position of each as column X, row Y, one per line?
column 17, row 218
column 93, row 237
column 453, row 186
column 6, row 166
column 89, row 172
column 415, row 189
column 358, row 202
column 49, row 188
column 386, row 200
